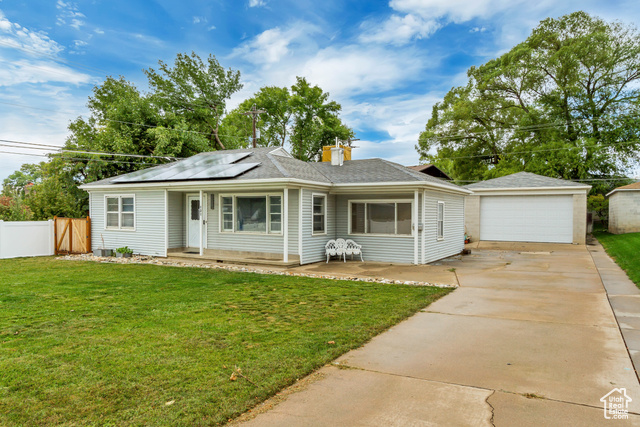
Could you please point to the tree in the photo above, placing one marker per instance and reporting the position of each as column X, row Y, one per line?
column 195, row 91
column 302, row 117
column 273, row 125
column 563, row 103
column 599, row 204
column 14, row 185
column 13, row 209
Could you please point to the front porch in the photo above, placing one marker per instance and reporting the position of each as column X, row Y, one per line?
column 239, row 226
column 234, row 257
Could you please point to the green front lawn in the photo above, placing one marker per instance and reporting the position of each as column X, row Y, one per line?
column 85, row 343
column 624, row 249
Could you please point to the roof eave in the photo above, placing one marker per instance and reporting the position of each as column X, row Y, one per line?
column 198, row 184
column 407, row 185
column 488, row 189
column 615, row 190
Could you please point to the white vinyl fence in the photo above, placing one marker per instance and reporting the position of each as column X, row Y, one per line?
column 26, row 238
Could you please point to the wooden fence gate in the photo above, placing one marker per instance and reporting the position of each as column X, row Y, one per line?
column 72, row 235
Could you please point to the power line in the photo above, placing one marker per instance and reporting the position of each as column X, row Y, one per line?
column 79, row 158
column 36, row 146
column 254, row 116
column 539, row 150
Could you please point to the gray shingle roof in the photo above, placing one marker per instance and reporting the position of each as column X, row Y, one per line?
column 273, row 166
column 373, row 170
column 523, row 180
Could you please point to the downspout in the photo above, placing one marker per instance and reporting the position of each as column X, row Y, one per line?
column 166, row 222
column 201, row 225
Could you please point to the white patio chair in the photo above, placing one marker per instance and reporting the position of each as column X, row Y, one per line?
column 335, row 248
column 352, row 248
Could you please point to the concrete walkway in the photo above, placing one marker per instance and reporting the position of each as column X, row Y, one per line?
column 528, row 339
column 624, row 297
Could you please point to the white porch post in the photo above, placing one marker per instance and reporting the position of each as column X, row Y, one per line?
column 285, row 224
column 424, row 226
column 201, row 225
column 300, row 224
column 415, row 227
column 166, row 222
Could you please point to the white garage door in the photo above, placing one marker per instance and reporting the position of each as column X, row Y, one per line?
column 527, row 218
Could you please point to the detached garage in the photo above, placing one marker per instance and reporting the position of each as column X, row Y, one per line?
column 525, row 207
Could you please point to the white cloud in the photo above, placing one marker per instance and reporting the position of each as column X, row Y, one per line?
column 402, row 117
column 257, row 3
column 275, row 44
column 199, row 19
column 69, row 13
column 210, row 28
column 354, row 70
column 23, row 71
column 454, row 10
column 399, row 30
column 78, row 47
column 98, row 31
column 478, row 30
column 13, row 35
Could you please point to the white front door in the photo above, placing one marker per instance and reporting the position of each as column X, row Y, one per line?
column 193, row 221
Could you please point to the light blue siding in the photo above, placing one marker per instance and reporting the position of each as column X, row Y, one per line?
column 453, row 242
column 177, row 220
column 375, row 248
column 313, row 245
column 148, row 237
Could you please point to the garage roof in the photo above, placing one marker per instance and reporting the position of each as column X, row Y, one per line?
column 631, row 187
column 524, row 180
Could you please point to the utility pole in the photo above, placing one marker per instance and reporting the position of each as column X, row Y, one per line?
column 254, row 113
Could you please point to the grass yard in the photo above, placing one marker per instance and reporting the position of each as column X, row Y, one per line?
column 84, row 343
column 624, row 249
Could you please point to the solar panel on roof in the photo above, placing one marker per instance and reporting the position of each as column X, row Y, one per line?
column 202, row 166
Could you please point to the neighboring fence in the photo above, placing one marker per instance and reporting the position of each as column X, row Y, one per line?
column 26, row 238
column 72, row 235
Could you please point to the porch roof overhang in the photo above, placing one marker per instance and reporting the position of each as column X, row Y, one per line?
column 262, row 184
column 208, row 185
column 395, row 187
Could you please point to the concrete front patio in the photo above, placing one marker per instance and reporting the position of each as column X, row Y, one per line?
column 529, row 338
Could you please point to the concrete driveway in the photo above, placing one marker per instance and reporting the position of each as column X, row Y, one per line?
column 529, row 338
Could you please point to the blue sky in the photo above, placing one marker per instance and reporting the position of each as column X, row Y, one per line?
column 386, row 62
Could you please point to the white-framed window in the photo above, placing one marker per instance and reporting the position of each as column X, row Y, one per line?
column 382, row 217
column 319, row 214
column 251, row 213
column 440, row 221
column 226, row 221
column 275, row 214
column 120, row 212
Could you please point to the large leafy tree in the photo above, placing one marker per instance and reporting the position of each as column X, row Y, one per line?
column 273, row 124
column 179, row 117
column 302, row 117
column 563, row 103
column 123, row 120
column 43, row 190
column 196, row 91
